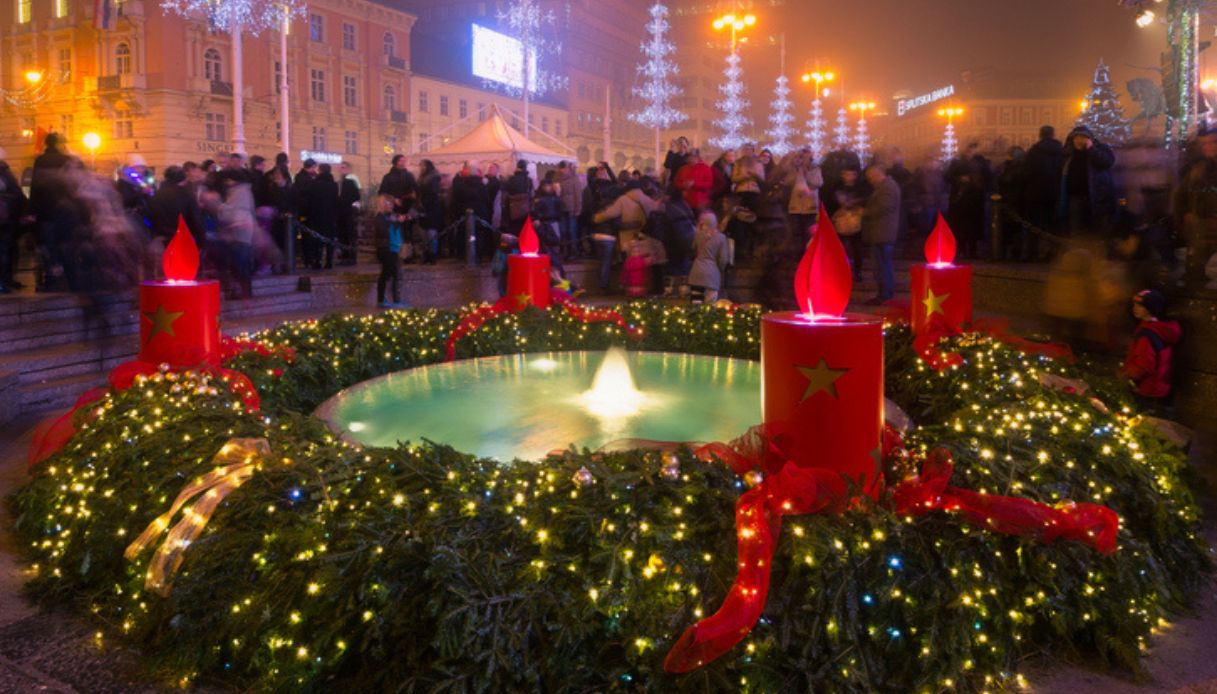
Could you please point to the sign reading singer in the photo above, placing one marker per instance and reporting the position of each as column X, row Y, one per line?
column 903, row 106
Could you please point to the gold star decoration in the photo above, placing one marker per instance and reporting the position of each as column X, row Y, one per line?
column 523, row 299
column 162, row 321
column 933, row 302
column 821, row 378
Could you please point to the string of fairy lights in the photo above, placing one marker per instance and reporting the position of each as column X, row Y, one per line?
column 326, row 553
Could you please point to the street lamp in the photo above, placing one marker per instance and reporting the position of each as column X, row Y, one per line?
column 736, row 23
column 733, row 106
column 950, row 145
column 862, row 139
column 91, row 142
column 816, row 123
column 33, row 76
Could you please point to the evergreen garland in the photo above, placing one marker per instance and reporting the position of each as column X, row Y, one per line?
column 336, row 568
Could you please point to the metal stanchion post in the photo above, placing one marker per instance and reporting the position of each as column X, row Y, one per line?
column 995, row 226
column 471, row 239
column 290, row 243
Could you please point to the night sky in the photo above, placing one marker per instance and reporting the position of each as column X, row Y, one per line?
column 880, row 46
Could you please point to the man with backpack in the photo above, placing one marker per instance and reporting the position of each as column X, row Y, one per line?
column 517, row 199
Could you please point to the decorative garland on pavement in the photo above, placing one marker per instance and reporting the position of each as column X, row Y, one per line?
column 329, row 567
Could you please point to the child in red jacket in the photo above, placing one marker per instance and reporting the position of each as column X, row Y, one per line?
column 1148, row 364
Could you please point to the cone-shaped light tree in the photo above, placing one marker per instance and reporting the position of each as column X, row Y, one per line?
column 657, row 89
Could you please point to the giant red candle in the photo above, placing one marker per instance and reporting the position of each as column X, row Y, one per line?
column 528, row 273
column 941, row 290
column 179, row 317
column 822, row 371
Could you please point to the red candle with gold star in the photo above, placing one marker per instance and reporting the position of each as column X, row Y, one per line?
column 941, row 290
column 180, row 317
column 528, row 272
column 822, row 371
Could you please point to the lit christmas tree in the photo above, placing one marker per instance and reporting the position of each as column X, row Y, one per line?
column 732, row 107
column 843, row 134
column 815, row 128
column 950, row 144
column 657, row 90
column 1103, row 114
column 862, row 140
column 526, row 21
column 780, row 131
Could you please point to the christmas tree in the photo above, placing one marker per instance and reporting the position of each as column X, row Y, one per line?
column 844, row 141
column 657, row 90
column 732, row 107
column 1103, row 114
column 862, row 140
column 780, row 131
column 815, row 129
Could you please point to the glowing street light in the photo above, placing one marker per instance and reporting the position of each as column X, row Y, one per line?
column 736, row 23
column 33, row 76
column 1145, row 18
column 816, row 124
column 91, row 142
column 951, row 112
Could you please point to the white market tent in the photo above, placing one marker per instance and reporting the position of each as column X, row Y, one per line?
column 494, row 141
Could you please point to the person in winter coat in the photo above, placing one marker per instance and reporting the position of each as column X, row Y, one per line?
column 712, row 253
column 724, row 169
column 173, row 200
column 1148, row 364
column 235, row 214
column 389, row 236
column 399, row 184
column 1043, row 187
column 517, row 199
column 431, row 209
column 12, row 209
column 571, row 191
column 804, row 180
column 350, row 196
column 680, row 230
column 1088, row 193
column 469, row 192
column 677, row 157
column 880, row 228
column 323, row 216
column 1195, row 209
column 695, row 182
column 1011, row 183
column 548, row 212
column 629, row 211
column 748, row 177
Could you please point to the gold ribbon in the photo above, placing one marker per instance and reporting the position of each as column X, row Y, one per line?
column 236, row 462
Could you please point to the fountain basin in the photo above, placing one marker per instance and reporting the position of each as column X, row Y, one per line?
column 524, row 406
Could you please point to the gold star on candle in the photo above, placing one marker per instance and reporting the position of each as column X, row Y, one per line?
column 821, row 378
column 162, row 321
column 933, row 302
column 523, row 300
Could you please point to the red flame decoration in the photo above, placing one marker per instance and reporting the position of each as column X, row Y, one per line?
column 181, row 259
column 823, row 282
column 940, row 246
column 529, row 245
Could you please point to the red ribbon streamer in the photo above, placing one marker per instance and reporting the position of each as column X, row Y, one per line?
column 799, row 491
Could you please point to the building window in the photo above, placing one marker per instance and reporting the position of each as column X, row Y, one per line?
column 318, row 139
column 61, row 9
column 352, row 142
column 424, row 102
column 390, row 44
column 544, row 124
column 443, row 105
column 348, row 36
column 66, row 125
column 215, row 127
column 122, row 59
column 317, row 84
column 120, row 8
column 124, row 125
column 558, row 127
column 390, row 144
column 481, row 112
column 278, row 77
column 424, row 142
column 462, row 108
column 390, row 98
column 212, row 65
column 316, row 27
column 24, row 14
column 65, row 65
column 350, row 91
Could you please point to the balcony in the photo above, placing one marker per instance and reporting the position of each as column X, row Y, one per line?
column 113, row 83
column 219, row 88
column 397, row 116
column 393, row 62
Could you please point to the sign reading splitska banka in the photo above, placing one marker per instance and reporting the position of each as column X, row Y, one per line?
column 903, row 106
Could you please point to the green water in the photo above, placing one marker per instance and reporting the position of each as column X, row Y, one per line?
column 524, row 406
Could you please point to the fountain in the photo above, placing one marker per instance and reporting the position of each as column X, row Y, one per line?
column 524, row 406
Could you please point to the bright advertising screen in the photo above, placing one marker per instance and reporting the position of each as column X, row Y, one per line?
column 497, row 58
